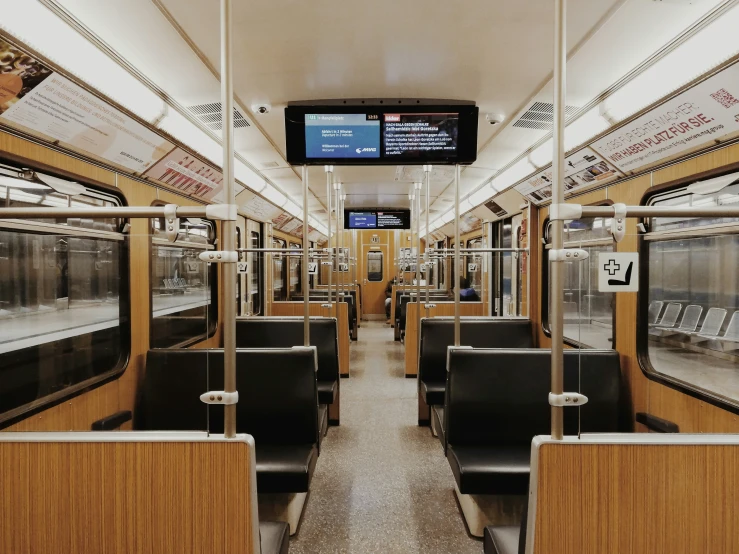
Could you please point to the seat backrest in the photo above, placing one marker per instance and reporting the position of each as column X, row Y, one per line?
column 286, row 332
column 669, row 318
column 500, row 396
column 690, row 319
column 655, row 309
column 713, row 322
column 278, row 396
column 437, row 334
column 732, row 329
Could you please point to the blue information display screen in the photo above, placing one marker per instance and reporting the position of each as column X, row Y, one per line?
column 362, row 220
column 342, row 136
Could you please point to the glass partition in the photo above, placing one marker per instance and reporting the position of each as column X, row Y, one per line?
column 588, row 313
column 182, row 296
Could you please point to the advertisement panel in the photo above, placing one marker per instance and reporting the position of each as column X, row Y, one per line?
column 60, row 110
column 261, row 210
column 582, row 169
column 705, row 113
column 19, row 75
column 183, row 172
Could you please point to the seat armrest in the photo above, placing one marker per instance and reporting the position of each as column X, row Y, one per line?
column 112, row 422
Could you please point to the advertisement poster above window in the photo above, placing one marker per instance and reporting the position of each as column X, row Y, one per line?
column 583, row 169
column 186, row 174
column 699, row 116
column 35, row 99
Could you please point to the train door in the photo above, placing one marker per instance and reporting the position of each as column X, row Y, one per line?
column 279, row 272
column 294, row 262
column 375, row 263
column 254, row 276
column 240, row 277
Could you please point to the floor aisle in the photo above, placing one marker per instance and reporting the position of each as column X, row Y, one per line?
column 382, row 484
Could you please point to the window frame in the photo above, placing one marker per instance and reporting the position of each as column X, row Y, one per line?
column 212, row 310
column 544, row 307
column 103, row 191
column 642, row 302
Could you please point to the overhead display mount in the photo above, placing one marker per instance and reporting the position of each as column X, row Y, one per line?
column 406, row 132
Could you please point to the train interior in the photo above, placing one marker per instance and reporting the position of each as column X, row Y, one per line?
column 415, row 277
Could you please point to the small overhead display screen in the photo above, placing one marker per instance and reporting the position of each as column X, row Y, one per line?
column 362, row 220
column 420, row 135
column 376, row 135
column 342, row 136
column 378, row 219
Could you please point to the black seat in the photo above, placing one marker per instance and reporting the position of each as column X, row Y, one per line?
column 274, row 537
column 285, row 332
column 278, row 405
column 497, row 401
column 437, row 334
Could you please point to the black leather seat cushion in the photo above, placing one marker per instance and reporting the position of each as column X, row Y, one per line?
column 327, row 391
column 285, row 332
column 274, row 537
column 501, row 539
column 433, row 392
column 285, row 468
column 437, row 335
column 491, row 469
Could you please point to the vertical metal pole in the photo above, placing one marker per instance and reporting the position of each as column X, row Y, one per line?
column 329, row 192
column 492, row 255
column 306, row 274
column 427, row 171
column 337, row 242
column 457, row 270
column 418, row 264
column 527, row 259
column 228, row 227
column 556, row 268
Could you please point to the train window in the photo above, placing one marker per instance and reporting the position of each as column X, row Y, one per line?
column 279, row 272
column 375, row 272
column 691, row 332
column 473, row 267
column 295, row 265
column 588, row 313
column 63, row 294
column 255, row 275
column 183, row 307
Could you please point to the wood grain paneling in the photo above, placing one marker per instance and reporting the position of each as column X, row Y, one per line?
column 318, row 309
column 411, row 326
column 690, row 413
column 640, row 499
column 126, row 497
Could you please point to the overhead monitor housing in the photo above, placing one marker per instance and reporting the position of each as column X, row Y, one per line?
column 381, row 134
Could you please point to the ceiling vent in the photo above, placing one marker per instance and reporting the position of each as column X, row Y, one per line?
column 210, row 115
column 414, row 173
column 269, row 165
column 541, row 116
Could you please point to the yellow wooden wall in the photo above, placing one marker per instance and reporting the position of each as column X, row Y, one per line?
column 79, row 412
column 690, row 413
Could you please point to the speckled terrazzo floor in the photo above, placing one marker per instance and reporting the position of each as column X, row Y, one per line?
column 382, row 484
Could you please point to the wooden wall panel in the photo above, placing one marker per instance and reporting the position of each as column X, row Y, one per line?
column 79, row 412
column 690, row 413
column 317, row 309
column 120, row 498
column 411, row 327
column 641, row 499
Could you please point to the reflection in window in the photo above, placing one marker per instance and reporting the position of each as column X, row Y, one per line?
column 183, row 309
column 693, row 296
column 60, row 280
column 588, row 313
column 374, row 267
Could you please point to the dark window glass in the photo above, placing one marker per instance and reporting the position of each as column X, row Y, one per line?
column 63, row 283
column 375, row 273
